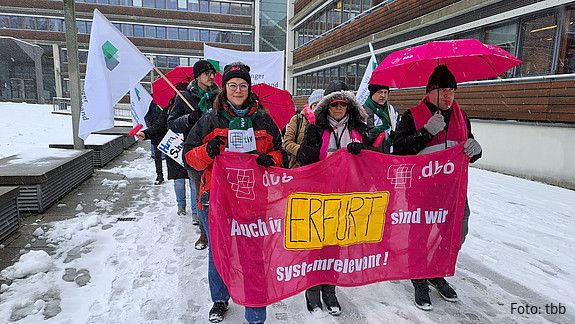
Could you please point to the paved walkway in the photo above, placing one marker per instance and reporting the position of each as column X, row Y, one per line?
column 84, row 195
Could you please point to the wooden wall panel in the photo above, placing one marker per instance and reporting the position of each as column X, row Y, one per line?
column 542, row 101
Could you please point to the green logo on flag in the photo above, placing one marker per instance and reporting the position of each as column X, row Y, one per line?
column 216, row 65
column 138, row 94
column 110, row 55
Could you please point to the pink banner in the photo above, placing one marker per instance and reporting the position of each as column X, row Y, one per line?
column 348, row 221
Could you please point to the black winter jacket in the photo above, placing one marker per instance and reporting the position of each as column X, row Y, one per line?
column 158, row 130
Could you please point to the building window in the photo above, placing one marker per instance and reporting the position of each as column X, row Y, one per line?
column 149, row 4
column 173, row 61
column 150, row 31
column 172, row 4
column 182, row 4
column 138, row 31
column 162, row 61
column 183, row 34
column 193, row 5
column 172, row 33
column 567, row 57
column 538, row 36
column 214, row 7
column 160, row 4
column 137, row 3
column 128, row 30
column 194, row 35
column 204, row 6
column 204, row 35
column 161, row 32
column 504, row 36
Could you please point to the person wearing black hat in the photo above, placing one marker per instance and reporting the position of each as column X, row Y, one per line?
column 200, row 93
column 381, row 117
column 231, row 124
column 435, row 124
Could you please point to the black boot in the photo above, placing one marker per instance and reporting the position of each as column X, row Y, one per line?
column 422, row 300
column 444, row 289
column 312, row 300
column 330, row 300
column 218, row 311
column 159, row 179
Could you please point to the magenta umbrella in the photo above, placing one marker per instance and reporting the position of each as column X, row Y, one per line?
column 467, row 59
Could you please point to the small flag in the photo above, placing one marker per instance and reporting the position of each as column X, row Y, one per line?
column 140, row 101
column 362, row 91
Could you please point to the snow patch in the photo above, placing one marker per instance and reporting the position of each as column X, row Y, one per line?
column 30, row 263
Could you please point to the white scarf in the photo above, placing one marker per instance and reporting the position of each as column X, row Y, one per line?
column 340, row 134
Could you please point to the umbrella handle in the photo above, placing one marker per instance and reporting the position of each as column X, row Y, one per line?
column 174, row 88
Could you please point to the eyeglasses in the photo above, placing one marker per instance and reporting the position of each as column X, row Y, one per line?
column 443, row 90
column 338, row 103
column 233, row 87
column 210, row 73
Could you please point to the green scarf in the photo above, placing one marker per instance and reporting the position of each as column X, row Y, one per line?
column 205, row 103
column 241, row 123
column 383, row 113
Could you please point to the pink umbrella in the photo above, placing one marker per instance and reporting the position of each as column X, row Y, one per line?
column 467, row 59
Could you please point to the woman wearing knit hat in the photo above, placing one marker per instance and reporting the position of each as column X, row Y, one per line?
column 382, row 117
column 297, row 124
column 237, row 123
column 435, row 124
column 340, row 124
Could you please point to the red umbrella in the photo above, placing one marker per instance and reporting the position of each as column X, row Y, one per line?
column 277, row 102
column 467, row 59
column 161, row 90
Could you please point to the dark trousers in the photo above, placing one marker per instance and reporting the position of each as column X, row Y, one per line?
column 196, row 177
column 158, row 160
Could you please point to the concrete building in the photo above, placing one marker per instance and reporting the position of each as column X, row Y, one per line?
column 170, row 32
column 525, row 118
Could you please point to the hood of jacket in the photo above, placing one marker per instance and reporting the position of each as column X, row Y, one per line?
column 355, row 110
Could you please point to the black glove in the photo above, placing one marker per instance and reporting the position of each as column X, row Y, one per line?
column 313, row 135
column 354, row 148
column 265, row 160
column 213, row 147
column 191, row 120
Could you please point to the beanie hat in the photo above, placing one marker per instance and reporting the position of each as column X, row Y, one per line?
column 441, row 78
column 315, row 96
column 334, row 86
column 202, row 66
column 373, row 88
column 236, row 70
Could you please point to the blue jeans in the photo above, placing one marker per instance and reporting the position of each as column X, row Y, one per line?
column 218, row 290
column 180, row 189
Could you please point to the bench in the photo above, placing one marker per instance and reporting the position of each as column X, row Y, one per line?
column 9, row 216
column 45, row 175
column 120, row 130
column 105, row 147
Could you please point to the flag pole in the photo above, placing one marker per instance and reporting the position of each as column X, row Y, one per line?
column 174, row 88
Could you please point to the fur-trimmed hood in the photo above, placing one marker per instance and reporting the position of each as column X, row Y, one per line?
column 355, row 110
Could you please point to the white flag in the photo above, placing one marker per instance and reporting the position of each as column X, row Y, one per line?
column 362, row 91
column 140, row 101
column 114, row 66
column 265, row 67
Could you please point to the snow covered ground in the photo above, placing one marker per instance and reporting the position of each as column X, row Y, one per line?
column 519, row 250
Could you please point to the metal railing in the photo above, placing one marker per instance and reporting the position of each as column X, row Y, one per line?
column 121, row 111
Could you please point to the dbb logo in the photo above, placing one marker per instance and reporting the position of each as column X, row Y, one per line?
column 435, row 168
